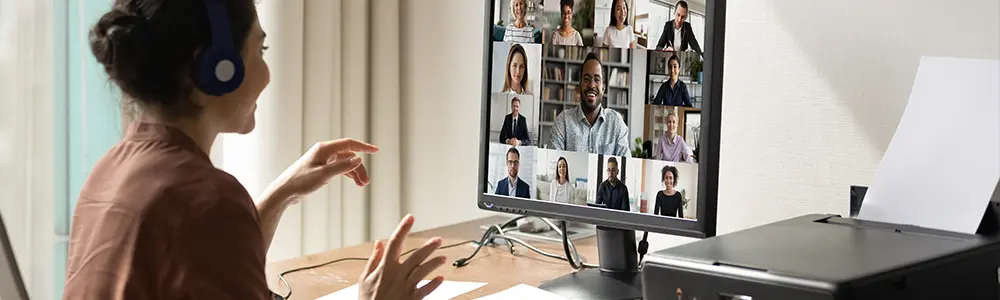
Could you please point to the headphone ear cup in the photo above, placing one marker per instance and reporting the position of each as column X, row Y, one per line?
column 219, row 72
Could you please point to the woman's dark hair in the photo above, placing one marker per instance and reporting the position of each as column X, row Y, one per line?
column 671, row 169
column 562, row 159
column 148, row 47
column 565, row 3
column 614, row 20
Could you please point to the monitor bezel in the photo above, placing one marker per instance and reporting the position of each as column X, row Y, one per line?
column 708, row 165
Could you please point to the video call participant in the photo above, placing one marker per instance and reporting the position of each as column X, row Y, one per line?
column 566, row 35
column 519, row 31
column 674, row 92
column 515, row 80
column 512, row 185
column 561, row 189
column 669, row 202
column 612, row 192
column 515, row 126
column 671, row 146
column 677, row 34
column 590, row 127
column 619, row 34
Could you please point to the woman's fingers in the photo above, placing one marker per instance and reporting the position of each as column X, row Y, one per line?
column 331, row 148
column 419, row 256
column 360, row 176
column 396, row 240
column 339, row 156
column 373, row 261
column 425, row 290
column 342, row 167
column 425, row 269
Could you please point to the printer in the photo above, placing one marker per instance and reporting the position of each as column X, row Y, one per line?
column 827, row 257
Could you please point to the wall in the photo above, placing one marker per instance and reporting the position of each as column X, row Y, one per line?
column 441, row 173
column 792, row 77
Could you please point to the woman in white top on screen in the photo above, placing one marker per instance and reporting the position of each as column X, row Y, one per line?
column 619, row 34
column 519, row 31
column 515, row 80
column 566, row 35
column 561, row 189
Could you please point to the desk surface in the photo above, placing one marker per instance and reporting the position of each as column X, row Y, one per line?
column 493, row 265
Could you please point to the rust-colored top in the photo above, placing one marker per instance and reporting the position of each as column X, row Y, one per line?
column 156, row 220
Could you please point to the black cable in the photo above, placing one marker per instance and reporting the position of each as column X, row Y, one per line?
column 496, row 232
column 643, row 246
column 281, row 276
column 487, row 238
column 572, row 262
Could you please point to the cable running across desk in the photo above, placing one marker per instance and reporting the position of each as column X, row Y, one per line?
column 497, row 231
column 494, row 232
column 281, row 276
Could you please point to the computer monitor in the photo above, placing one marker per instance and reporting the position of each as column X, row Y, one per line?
column 11, row 284
column 605, row 112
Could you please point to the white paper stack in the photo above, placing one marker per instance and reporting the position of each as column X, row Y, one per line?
column 447, row 290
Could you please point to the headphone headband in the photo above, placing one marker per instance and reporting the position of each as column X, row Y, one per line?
column 220, row 67
column 218, row 20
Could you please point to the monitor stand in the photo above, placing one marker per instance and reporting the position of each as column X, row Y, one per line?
column 617, row 277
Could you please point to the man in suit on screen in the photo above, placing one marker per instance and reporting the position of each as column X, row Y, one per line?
column 515, row 126
column 677, row 33
column 512, row 185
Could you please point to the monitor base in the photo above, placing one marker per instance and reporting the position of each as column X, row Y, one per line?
column 596, row 284
column 617, row 277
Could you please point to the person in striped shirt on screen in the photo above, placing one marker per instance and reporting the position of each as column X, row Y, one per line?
column 672, row 147
column 519, row 31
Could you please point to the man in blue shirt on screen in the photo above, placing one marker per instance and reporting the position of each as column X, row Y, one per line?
column 590, row 127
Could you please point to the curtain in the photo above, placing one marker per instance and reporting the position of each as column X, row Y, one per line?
column 334, row 74
column 26, row 136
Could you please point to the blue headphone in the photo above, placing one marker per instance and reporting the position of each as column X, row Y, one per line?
column 220, row 68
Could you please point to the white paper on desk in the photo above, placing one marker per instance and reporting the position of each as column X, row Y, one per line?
column 943, row 163
column 447, row 290
column 522, row 292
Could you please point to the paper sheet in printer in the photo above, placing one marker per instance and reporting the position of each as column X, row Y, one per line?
column 943, row 163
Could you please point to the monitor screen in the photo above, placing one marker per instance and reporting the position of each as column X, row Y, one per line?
column 603, row 111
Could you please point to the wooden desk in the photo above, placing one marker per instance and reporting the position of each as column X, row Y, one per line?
column 493, row 265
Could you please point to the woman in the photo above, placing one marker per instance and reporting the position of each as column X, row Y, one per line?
column 566, row 35
column 673, row 92
column 561, row 189
column 519, row 31
column 619, row 34
column 669, row 202
column 155, row 219
column 515, row 80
